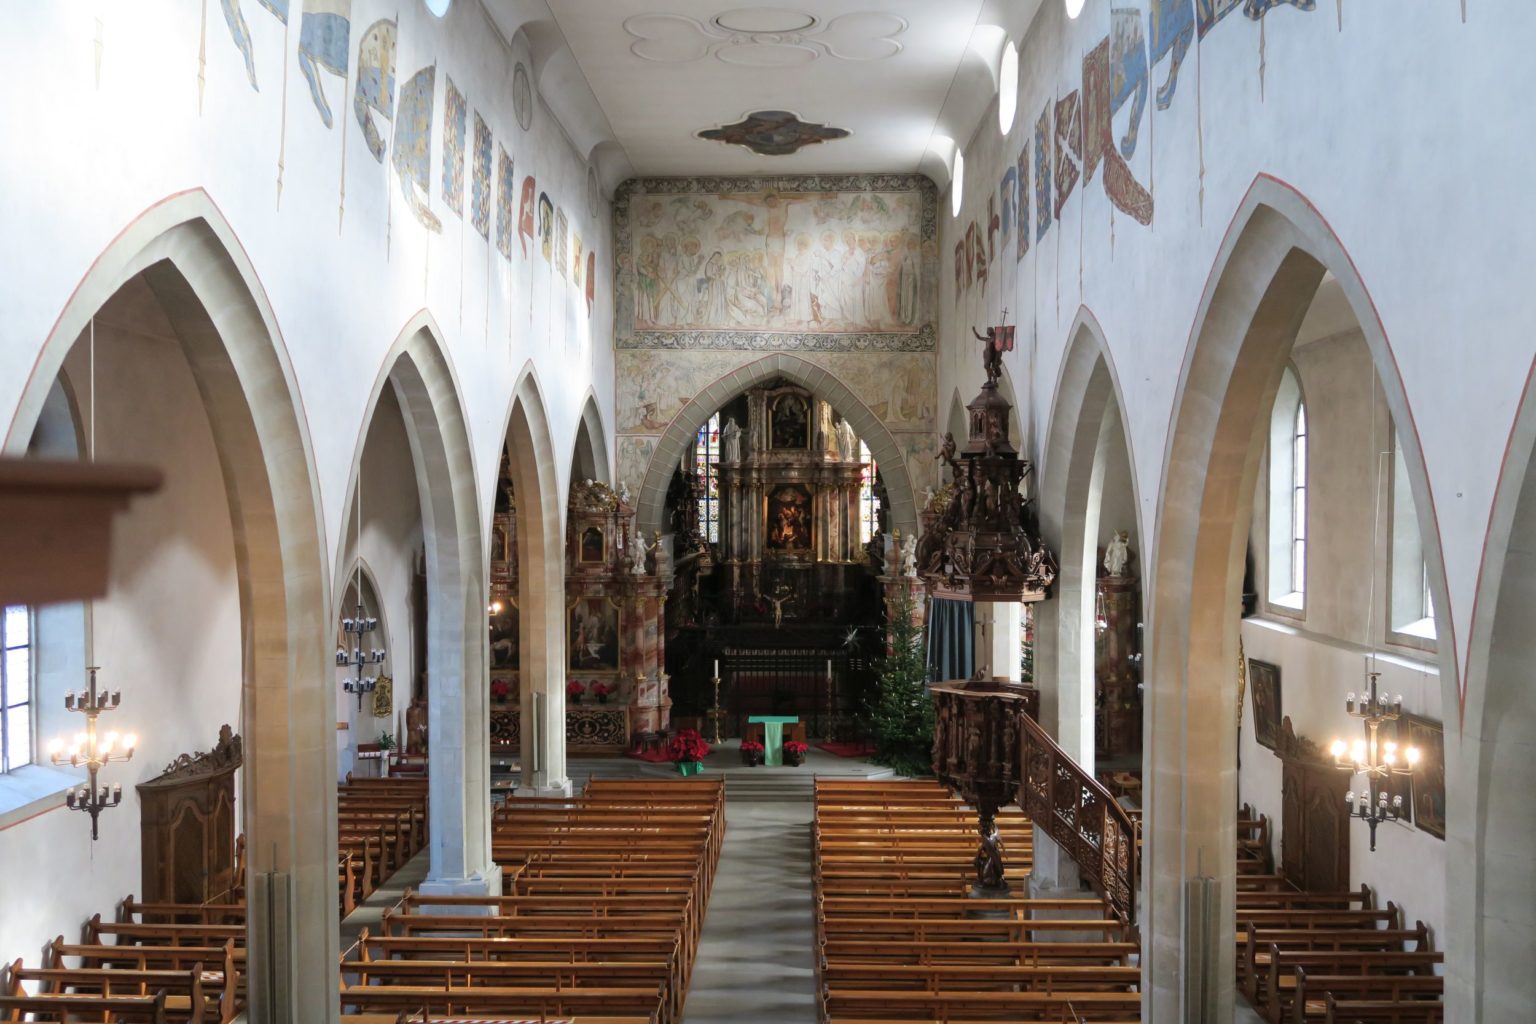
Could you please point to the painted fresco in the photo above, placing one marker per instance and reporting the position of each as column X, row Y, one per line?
column 1044, row 215
column 480, row 196
column 375, row 90
column 413, row 144
column 575, row 259
column 763, row 263
column 1172, row 24
column 1069, row 147
column 1209, row 12
column 525, row 215
column 546, row 226
column 634, row 456
column 1099, row 140
column 773, row 133
column 591, row 280
column 562, row 241
column 1022, row 245
column 455, row 126
column 235, row 19
column 1009, row 189
column 324, row 34
column 1128, row 75
column 505, row 218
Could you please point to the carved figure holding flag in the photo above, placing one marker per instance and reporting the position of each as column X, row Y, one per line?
column 996, row 341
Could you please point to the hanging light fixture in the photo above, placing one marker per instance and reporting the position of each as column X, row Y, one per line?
column 1376, row 759
column 356, row 653
column 90, row 749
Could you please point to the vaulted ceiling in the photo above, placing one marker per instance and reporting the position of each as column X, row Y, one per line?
column 637, row 81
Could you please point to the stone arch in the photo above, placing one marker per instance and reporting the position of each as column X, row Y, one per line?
column 1266, row 272
column 417, row 370
column 540, row 586
column 590, row 458
column 190, row 257
column 1087, row 390
column 1488, row 826
column 651, row 501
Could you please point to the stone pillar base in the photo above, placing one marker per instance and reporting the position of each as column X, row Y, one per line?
column 549, row 787
column 486, row 883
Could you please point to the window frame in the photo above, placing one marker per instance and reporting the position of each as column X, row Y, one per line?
column 1288, row 508
column 1408, row 621
column 869, row 498
column 28, row 688
column 706, row 454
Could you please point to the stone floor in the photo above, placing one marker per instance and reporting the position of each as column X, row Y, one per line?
column 754, row 961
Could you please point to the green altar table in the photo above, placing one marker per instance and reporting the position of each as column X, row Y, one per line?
column 773, row 735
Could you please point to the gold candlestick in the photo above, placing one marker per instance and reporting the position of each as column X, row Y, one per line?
column 716, row 713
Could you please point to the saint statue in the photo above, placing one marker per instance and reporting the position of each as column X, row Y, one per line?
column 909, row 555
column 1117, row 554
column 730, row 441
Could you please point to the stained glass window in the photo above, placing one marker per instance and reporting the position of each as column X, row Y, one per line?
column 707, row 465
column 869, row 500
column 15, row 688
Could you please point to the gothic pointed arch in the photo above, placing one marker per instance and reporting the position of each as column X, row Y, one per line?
column 589, row 459
column 1266, row 273
column 417, row 370
column 683, row 430
column 189, row 256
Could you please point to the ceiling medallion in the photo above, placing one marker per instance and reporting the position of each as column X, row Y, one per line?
column 765, row 37
column 773, row 133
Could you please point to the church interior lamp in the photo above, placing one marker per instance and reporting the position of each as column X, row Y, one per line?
column 356, row 653
column 93, row 751
column 1376, row 759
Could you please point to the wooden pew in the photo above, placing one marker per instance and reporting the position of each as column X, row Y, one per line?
column 1382, row 1012
column 147, row 1009
column 221, row 969
column 181, row 995
column 1277, row 988
column 1313, row 990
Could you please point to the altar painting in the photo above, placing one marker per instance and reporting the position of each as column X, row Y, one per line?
column 593, row 636
column 789, row 518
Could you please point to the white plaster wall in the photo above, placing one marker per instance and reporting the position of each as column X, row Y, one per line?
column 124, row 115
column 167, row 635
column 1315, row 674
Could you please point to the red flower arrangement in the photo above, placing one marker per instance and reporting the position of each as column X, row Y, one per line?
column 795, row 748
column 574, row 690
column 501, row 689
column 751, row 747
column 602, row 691
column 688, row 745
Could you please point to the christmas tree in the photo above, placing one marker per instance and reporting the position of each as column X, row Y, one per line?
column 902, row 715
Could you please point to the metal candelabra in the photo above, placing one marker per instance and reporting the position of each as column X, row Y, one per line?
column 93, row 752
column 716, row 713
column 1377, row 760
column 356, row 658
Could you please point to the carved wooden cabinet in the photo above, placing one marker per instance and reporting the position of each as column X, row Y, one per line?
column 1314, row 825
column 187, row 826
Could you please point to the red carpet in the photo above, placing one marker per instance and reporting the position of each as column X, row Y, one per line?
column 839, row 749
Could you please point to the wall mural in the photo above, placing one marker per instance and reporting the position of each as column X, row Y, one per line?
column 399, row 122
column 835, row 263
column 773, row 133
column 1074, row 135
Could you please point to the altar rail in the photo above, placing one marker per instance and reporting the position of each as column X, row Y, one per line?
column 1081, row 816
column 589, row 728
column 784, row 680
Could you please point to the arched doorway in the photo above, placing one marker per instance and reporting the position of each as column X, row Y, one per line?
column 1266, row 276
column 422, row 386
column 188, row 260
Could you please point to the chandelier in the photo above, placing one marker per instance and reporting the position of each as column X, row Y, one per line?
column 1378, row 760
column 352, row 654
column 93, row 751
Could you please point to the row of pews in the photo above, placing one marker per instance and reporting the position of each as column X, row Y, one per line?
column 899, row 937
column 169, row 963
column 380, row 825
column 1330, row 957
column 603, row 899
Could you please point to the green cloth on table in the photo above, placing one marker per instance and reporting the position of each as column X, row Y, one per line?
column 773, row 735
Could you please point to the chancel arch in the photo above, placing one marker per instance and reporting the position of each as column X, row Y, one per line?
column 421, row 385
column 589, row 459
column 682, row 433
column 1264, row 282
column 181, row 262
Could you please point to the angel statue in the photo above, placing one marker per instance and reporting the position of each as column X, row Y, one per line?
column 1117, row 554
column 909, row 555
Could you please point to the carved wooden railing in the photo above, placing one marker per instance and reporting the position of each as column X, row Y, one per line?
column 1081, row 817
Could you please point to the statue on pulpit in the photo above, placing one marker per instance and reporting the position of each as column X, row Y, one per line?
column 416, row 727
column 1117, row 554
column 989, row 857
column 995, row 342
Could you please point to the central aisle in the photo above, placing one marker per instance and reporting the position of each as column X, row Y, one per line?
column 754, row 961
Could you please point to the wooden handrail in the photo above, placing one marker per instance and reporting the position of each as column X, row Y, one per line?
column 1081, row 816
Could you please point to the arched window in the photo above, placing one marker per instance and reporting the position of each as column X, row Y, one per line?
column 707, row 465
column 15, row 688
column 1411, row 609
column 869, row 498
column 1288, row 438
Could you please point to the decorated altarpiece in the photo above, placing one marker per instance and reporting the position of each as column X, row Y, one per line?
column 615, row 590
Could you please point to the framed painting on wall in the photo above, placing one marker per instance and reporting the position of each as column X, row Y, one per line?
column 504, row 638
column 789, row 518
column 593, row 636
column 1264, row 697
column 1429, row 774
column 593, row 548
column 791, row 422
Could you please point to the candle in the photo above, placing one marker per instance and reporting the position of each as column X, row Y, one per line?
column 829, row 668
column 717, row 668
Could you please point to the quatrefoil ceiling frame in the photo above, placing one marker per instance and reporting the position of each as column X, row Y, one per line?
column 679, row 39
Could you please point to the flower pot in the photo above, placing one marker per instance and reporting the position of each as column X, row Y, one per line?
column 751, row 760
column 793, row 760
column 686, row 768
column 576, row 700
column 602, row 698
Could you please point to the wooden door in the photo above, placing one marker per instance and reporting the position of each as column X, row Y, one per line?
column 1293, row 822
column 1314, row 840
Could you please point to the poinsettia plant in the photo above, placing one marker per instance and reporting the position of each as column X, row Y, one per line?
column 795, row 748
column 574, row 690
column 501, row 689
column 688, row 745
column 602, row 690
column 751, row 747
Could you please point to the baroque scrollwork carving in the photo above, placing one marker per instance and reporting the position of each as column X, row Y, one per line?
column 225, row 755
